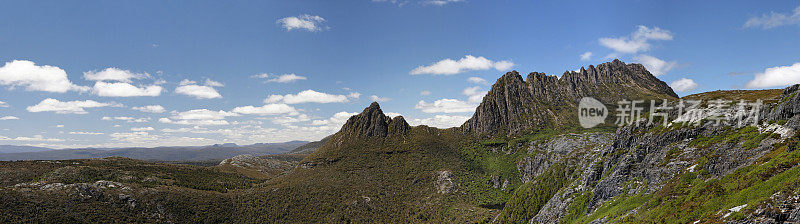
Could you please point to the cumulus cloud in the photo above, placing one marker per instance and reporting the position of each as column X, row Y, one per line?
column 440, row 121
column 268, row 109
column 199, row 117
column 586, row 56
column 143, row 129
column 85, row 133
column 35, row 138
column 655, row 65
column 310, row 96
column 637, row 41
column 113, row 74
column 303, row 22
column 776, row 76
column 334, row 122
column 774, row 19
column 354, row 95
column 213, row 83
column 150, row 109
column 422, row 2
column 36, row 78
column 68, row 107
column 467, row 63
column 441, row 2
column 379, row 99
column 8, row 118
column 3, row 104
column 683, row 85
column 190, row 88
column 122, row 89
column 285, row 78
column 445, row 106
column 127, row 119
column 474, row 94
column 288, row 120
column 477, row 80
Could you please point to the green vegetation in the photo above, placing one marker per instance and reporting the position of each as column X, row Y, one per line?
column 530, row 197
column 577, row 208
column 690, row 197
column 748, row 135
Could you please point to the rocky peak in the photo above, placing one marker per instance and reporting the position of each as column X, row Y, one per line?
column 514, row 105
column 372, row 122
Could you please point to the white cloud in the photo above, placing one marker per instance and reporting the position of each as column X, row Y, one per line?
column 268, row 109
column 60, row 126
column 467, row 63
column 477, row 80
column 203, row 114
column 213, row 83
column 379, row 99
column 441, row 2
column 143, row 129
column 306, row 22
column 150, row 109
column 68, row 107
column 113, row 74
column 121, row 89
column 636, row 41
column 774, row 19
column 475, row 94
column 127, row 119
column 3, row 104
column 683, row 85
column 425, row 92
column 776, row 76
column 354, row 95
column 8, row 118
column 440, row 121
column 310, row 96
column 190, row 88
column 36, row 78
column 199, row 117
column 193, row 122
column 586, row 56
column 392, row 114
column 35, row 138
column 85, row 133
column 285, row 78
column 287, row 120
column 336, row 121
column 655, row 65
column 445, row 106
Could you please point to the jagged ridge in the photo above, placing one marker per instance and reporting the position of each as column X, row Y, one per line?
column 514, row 105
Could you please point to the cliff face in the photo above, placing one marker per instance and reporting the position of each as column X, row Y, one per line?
column 514, row 105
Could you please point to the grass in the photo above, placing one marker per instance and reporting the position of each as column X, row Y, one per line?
column 690, row 197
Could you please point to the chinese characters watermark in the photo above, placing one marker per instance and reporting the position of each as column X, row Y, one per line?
column 592, row 112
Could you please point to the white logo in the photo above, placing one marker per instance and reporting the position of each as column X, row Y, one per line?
column 591, row 112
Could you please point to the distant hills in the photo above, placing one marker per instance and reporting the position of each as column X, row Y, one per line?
column 182, row 153
column 21, row 148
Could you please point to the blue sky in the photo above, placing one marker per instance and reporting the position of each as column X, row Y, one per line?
column 82, row 74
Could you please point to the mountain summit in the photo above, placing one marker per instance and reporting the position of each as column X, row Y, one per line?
column 514, row 105
column 372, row 122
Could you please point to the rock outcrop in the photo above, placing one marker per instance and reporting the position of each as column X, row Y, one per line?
column 514, row 105
column 372, row 123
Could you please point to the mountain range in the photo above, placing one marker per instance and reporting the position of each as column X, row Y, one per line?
column 521, row 158
column 185, row 153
